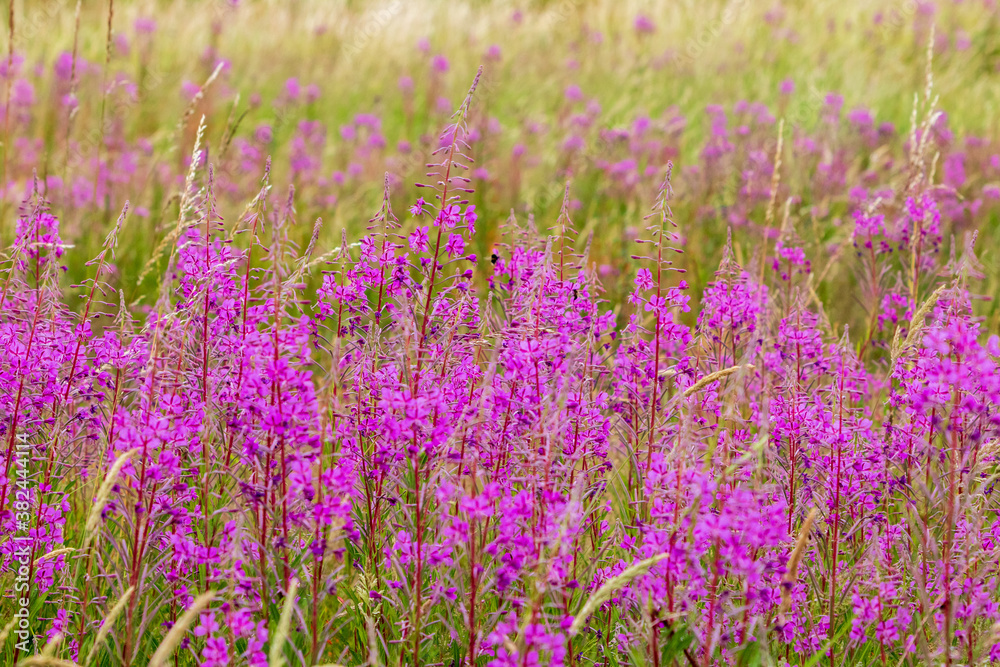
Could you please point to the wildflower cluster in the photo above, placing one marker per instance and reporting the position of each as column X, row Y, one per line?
column 433, row 456
column 455, row 439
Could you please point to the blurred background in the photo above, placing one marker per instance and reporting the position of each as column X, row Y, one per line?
column 104, row 103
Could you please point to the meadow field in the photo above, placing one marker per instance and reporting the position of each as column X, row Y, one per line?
column 343, row 333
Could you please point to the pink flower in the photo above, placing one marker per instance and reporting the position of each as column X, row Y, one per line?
column 449, row 216
column 419, row 239
column 207, row 624
column 470, row 218
column 644, row 279
column 455, row 245
column 215, row 653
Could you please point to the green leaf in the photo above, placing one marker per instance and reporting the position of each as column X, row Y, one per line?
column 816, row 657
column 749, row 656
column 680, row 640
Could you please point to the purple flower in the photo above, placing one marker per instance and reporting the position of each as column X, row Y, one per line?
column 419, row 239
column 449, row 216
column 644, row 25
column 215, row 653
column 644, row 279
column 439, row 64
column 455, row 245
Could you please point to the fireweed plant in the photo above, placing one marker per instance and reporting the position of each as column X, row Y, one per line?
column 105, row 108
column 408, row 452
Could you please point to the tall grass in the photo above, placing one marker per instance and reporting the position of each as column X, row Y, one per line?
column 646, row 373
